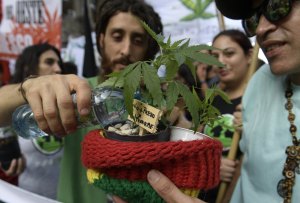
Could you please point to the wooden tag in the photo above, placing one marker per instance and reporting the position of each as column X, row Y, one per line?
column 145, row 116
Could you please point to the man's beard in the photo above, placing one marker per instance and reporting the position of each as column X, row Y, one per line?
column 107, row 65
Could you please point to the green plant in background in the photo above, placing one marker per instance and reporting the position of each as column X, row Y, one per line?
column 142, row 77
column 198, row 8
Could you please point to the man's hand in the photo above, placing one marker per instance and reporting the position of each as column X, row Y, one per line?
column 167, row 190
column 51, row 101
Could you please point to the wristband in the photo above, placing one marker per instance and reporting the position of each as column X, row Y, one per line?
column 21, row 89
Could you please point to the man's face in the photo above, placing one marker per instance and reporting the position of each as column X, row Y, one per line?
column 124, row 42
column 280, row 42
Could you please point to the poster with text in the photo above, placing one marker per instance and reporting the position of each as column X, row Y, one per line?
column 28, row 22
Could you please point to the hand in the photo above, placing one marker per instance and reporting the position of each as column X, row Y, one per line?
column 51, row 101
column 238, row 120
column 201, row 71
column 167, row 190
column 16, row 167
column 227, row 169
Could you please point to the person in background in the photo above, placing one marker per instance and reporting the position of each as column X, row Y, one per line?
column 42, row 154
column 17, row 165
column 180, row 116
column 69, row 68
column 1, row 75
column 271, row 106
column 207, row 76
column 234, row 50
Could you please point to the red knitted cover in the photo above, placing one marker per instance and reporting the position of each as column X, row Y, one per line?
column 189, row 164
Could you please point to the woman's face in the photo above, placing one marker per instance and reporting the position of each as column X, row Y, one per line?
column 49, row 63
column 234, row 58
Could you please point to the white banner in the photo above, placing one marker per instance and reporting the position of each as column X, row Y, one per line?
column 28, row 22
column 12, row 194
column 194, row 19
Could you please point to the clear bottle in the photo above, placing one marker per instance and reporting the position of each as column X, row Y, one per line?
column 107, row 107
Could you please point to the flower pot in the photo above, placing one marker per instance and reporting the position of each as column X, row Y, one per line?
column 183, row 134
column 162, row 135
column 121, row 168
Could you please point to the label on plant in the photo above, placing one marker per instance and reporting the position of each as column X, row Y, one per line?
column 145, row 116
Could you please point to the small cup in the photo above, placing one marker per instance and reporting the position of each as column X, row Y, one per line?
column 183, row 134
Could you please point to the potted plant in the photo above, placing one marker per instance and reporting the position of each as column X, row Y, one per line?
column 142, row 77
column 120, row 167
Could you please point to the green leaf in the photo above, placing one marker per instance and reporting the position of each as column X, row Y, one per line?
column 113, row 81
column 172, row 94
column 202, row 57
column 177, row 43
column 132, row 82
column 190, row 102
column 152, row 83
column 157, row 37
column 222, row 94
column 171, row 69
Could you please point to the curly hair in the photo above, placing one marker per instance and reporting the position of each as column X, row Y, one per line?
column 139, row 8
column 28, row 61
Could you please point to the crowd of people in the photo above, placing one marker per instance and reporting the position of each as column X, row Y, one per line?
column 269, row 147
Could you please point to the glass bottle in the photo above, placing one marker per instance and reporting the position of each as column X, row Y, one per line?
column 107, row 107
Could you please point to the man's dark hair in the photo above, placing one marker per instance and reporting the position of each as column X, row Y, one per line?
column 28, row 61
column 139, row 8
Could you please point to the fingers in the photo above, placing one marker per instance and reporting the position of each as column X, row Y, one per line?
column 12, row 168
column 227, row 169
column 51, row 101
column 238, row 120
column 167, row 190
column 21, row 165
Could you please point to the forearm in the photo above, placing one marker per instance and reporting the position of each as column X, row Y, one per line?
column 11, row 98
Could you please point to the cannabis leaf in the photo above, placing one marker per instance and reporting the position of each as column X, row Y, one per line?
column 198, row 8
column 142, row 77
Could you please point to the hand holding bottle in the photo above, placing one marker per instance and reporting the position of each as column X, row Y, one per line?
column 51, row 101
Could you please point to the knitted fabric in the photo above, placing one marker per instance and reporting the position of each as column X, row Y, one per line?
column 190, row 164
column 130, row 191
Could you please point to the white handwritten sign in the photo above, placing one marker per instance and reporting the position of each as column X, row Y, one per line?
column 145, row 116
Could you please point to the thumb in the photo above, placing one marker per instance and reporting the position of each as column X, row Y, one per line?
column 167, row 190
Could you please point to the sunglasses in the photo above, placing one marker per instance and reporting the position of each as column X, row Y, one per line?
column 273, row 10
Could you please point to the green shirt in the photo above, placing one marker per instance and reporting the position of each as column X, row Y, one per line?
column 73, row 185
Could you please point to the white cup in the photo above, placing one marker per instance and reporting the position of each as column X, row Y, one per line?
column 183, row 134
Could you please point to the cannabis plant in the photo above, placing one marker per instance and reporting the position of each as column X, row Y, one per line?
column 142, row 77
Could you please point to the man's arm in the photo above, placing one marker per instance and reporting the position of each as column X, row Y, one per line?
column 51, row 101
column 10, row 99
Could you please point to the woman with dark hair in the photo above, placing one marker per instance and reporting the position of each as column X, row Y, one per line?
column 39, row 59
column 42, row 154
column 234, row 51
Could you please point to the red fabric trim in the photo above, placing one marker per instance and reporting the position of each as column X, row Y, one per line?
column 192, row 164
column 10, row 179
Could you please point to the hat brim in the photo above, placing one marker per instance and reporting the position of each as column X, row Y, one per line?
column 235, row 9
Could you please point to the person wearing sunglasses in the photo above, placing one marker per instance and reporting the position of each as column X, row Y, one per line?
column 271, row 108
column 271, row 104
